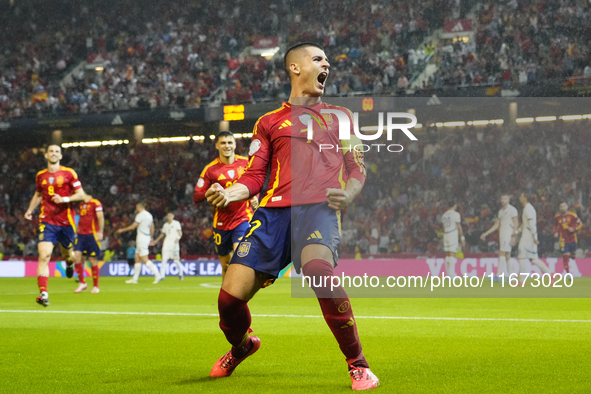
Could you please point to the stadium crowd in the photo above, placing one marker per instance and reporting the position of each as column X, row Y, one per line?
column 174, row 53
column 518, row 43
column 399, row 210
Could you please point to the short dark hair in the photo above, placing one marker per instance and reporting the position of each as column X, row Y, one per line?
column 50, row 145
column 298, row 46
column 451, row 203
column 528, row 195
column 223, row 134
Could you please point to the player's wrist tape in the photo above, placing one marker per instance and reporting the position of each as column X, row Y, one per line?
column 463, row 238
column 66, row 199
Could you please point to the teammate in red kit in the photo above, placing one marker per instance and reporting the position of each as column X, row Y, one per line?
column 298, row 219
column 229, row 223
column 566, row 225
column 90, row 234
column 57, row 188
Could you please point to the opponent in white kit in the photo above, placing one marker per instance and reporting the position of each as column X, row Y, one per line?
column 528, row 244
column 452, row 233
column 144, row 223
column 507, row 224
column 172, row 233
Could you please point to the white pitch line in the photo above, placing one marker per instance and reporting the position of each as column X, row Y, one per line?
column 303, row 316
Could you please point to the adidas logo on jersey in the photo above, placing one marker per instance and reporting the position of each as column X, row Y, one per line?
column 315, row 235
column 221, row 177
column 286, row 123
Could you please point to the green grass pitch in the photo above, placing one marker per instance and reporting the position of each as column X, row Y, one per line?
column 173, row 349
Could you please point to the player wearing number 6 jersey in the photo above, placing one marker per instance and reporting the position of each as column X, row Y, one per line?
column 229, row 223
column 299, row 218
column 90, row 233
column 57, row 188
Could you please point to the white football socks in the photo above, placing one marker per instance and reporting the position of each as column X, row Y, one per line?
column 502, row 267
column 178, row 264
column 152, row 268
column 137, row 269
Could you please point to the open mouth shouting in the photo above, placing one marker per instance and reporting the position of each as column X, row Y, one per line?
column 321, row 79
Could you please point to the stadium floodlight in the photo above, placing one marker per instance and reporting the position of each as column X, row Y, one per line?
column 126, row 141
column 418, row 126
column 439, row 124
column 480, row 122
column 571, row 117
column 545, row 118
column 524, row 120
column 454, row 124
column 212, row 137
column 496, row 121
column 178, row 139
column 237, row 135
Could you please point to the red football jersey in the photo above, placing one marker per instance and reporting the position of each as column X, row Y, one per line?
column 62, row 182
column 88, row 222
column 563, row 222
column 231, row 216
column 300, row 172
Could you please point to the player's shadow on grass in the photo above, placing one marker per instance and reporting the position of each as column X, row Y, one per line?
column 200, row 379
column 206, row 379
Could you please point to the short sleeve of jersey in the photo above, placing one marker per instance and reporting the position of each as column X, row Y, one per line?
column 514, row 212
column 457, row 217
column 98, row 207
column 138, row 218
column 259, row 155
column 177, row 226
column 74, row 182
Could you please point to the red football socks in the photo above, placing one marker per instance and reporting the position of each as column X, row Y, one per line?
column 565, row 260
column 80, row 271
column 336, row 308
column 95, row 275
column 42, row 283
column 234, row 321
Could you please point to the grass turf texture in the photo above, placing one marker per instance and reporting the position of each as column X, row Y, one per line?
column 55, row 352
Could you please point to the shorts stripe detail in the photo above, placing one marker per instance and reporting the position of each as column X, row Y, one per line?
column 275, row 185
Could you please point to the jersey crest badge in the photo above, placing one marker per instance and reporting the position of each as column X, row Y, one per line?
column 243, row 249
column 60, row 181
column 51, row 179
column 231, row 173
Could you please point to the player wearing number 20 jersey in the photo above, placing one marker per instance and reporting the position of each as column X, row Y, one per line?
column 229, row 223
